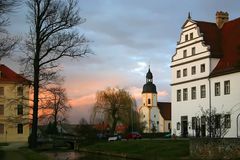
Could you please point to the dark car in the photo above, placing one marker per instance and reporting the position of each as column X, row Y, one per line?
column 134, row 135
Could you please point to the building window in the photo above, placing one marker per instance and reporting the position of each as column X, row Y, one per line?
column 184, row 53
column 1, row 109
column 1, row 91
column 169, row 126
column 1, row 128
column 154, row 116
column 178, row 125
column 178, row 73
column 193, row 50
column 217, row 89
column 143, row 116
column 186, row 37
column 203, row 91
column 157, row 122
column 20, row 128
column 149, row 101
column 217, row 121
column 226, row 87
column 185, row 72
column 19, row 109
column 227, row 121
column 191, row 35
column 178, row 95
column 193, row 90
column 194, row 123
column 202, row 68
column 193, row 70
column 185, row 94
column 19, row 91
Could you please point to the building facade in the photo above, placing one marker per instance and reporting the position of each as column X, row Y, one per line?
column 14, row 106
column 156, row 115
column 205, row 75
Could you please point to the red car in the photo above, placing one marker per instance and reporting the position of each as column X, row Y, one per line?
column 134, row 135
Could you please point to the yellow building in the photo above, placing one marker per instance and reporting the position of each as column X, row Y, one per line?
column 14, row 106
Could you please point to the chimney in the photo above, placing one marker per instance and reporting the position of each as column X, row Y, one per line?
column 221, row 18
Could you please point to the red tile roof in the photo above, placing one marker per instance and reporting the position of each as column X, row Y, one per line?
column 211, row 36
column 165, row 110
column 230, row 43
column 9, row 76
column 224, row 44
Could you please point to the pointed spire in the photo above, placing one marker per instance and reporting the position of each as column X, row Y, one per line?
column 189, row 15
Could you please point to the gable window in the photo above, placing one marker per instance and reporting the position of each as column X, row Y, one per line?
column 193, row 70
column 178, row 73
column 227, row 121
column 193, row 50
column 202, row 68
column 19, row 91
column 185, row 94
column 193, row 92
column 186, row 37
column 1, row 109
column 226, row 87
column 203, row 91
column 191, row 35
column 184, row 53
column 149, row 101
column 217, row 89
column 178, row 95
column 185, row 72
column 19, row 109
column 20, row 128
column 1, row 128
column 1, row 91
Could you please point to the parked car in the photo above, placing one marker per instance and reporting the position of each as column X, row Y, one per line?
column 134, row 135
column 115, row 137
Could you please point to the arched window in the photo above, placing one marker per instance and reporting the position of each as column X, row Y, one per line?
column 149, row 101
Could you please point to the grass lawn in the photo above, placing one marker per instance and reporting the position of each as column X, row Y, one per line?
column 145, row 149
column 21, row 154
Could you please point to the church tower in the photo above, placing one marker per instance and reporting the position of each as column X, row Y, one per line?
column 149, row 110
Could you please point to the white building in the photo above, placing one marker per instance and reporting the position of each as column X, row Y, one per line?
column 206, row 74
column 156, row 115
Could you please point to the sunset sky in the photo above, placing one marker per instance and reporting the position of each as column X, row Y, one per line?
column 126, row 36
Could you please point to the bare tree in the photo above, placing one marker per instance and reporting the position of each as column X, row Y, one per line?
column 56, row 105
column 115, row 104
column 51, row 38
column 7, row 43
column 217, row 125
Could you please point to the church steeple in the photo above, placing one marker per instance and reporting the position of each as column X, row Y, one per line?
column 149, row 76
column 149, row 87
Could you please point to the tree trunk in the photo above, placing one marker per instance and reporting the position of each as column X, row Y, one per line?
column 33, row 139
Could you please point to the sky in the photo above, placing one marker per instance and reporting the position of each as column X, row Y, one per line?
column 126, row 37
